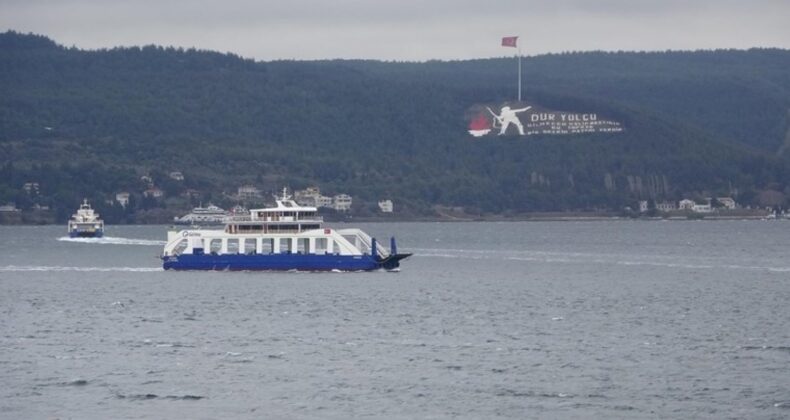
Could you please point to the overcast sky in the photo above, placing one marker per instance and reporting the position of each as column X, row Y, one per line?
column 403, row 29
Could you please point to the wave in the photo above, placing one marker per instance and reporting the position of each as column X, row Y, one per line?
column 109, row 240
column 62, row 268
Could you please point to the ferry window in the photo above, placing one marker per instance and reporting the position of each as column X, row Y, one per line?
column 285, row 245
column 249, row 246
column 302, row 245
column 233, row 246
column 335, row 248
column 320, row 245
column 267, row 246
column 215, row 245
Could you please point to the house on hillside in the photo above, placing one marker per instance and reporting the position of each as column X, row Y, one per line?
column 154, row 192
column 248, row 193
column 727, row 202
column 385, row 206
column 176, row 175
column 666, row 206
column 702, row 208
column 122, row 198
column 341, row 202
column 9, row 208
column 686, row 204
column 31, row 188
column 311, row 196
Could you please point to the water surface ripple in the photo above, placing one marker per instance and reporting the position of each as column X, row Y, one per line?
column 487, row 320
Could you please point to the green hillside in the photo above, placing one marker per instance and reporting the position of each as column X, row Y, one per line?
column 91, row 123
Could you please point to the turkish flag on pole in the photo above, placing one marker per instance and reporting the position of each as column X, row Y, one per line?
column 509, row 41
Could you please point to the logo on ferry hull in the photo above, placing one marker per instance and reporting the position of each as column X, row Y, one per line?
column 519, row 119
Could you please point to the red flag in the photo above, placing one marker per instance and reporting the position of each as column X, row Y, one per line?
column 509, row 41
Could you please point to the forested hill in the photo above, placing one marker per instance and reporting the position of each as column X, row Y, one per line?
column 91, row 123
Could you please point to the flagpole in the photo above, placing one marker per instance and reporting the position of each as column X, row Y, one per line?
column 519, row 73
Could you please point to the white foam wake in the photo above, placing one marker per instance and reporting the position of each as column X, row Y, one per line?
column 109, row 240
column 63, row 268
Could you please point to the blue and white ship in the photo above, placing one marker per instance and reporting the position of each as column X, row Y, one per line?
column 85, row 223
column 285, row 237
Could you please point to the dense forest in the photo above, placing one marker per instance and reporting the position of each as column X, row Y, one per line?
column 90, row 124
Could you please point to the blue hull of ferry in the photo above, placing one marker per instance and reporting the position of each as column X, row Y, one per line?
column 86, row 234
column 280, row 262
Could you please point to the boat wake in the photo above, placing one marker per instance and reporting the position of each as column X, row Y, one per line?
column 82, row 269
column 109, row 240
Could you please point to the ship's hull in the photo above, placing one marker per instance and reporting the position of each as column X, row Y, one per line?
column 86, row 233
column 280, row 262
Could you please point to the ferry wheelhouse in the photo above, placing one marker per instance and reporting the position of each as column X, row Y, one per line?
column 85, row 223
column 285, row 237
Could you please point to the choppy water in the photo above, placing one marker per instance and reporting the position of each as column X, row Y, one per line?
column 487, row 320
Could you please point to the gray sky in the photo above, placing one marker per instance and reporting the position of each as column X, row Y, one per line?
column 403, row 29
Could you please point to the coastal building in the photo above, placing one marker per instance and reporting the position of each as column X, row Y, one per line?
column 385, row 206
column 686, row 204
column 190, row 193
column 177, row 175
column 341, row 202
column 311, row 196
column 323, row 201
column 154, row 192
column 727, row 202
column 702, row 208
column 238, row 209
column 306, row 197
column 666, row 206
column 31, row 187
column 643, row 206
column 248, row 192
column 9, row 208
column 147, row 180
column 122, row 198
column 691, row 205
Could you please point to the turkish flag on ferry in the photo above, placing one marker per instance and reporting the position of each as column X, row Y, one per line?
column 509, row 41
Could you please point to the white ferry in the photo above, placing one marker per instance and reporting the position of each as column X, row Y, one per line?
column 285, row 237
column 85, row 223
column 205, row 216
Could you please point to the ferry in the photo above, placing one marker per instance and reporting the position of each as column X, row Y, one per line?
column 281, row 238
column 205, row 216
column 85, row 223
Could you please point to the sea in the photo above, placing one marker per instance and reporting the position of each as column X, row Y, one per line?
column 486, row 320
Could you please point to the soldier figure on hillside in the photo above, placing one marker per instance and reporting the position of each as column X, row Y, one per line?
column 506, row 117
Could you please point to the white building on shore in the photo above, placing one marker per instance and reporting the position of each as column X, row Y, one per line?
column 341, row 202
column 385, row 206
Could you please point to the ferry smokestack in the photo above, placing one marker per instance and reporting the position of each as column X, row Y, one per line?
column 373, row 252
column 393, row 247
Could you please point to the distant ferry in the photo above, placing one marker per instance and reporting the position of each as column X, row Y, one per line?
column 285, row 237
column 85, row 223
column 203, row 216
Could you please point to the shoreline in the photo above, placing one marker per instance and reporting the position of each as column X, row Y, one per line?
column 543, row 217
